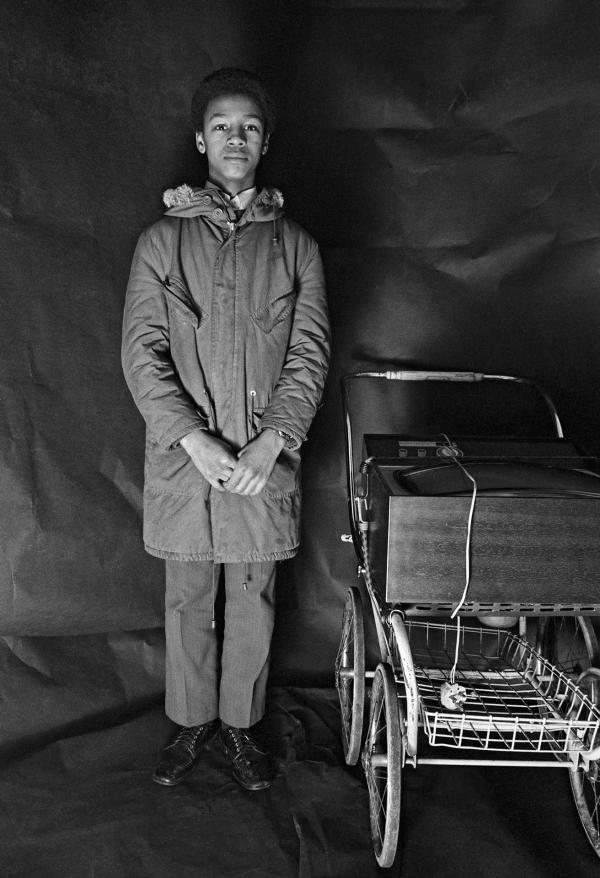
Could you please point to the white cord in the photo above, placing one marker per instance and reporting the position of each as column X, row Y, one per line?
column 454, row 614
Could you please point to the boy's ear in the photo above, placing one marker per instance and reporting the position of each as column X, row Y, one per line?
column 200, row 146
column 265, row 145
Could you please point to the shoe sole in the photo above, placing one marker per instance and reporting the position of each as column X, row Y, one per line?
column 252, row 788
column 170, row 783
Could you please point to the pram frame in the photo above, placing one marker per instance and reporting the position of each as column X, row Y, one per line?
column 396, row 673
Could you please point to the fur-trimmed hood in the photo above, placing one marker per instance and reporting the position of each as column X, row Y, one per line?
column 186, row 201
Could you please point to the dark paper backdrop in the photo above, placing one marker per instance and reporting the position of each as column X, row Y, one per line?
column 444, row 154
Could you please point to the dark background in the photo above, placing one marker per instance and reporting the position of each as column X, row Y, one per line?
column 445, row 156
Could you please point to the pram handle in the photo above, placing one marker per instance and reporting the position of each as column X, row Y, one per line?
column 419, row 375
column 423, row 375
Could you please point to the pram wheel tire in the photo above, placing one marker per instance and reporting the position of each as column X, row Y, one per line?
column 585, row 785
column 350, row 675
column 382, row 762
column 570, row 643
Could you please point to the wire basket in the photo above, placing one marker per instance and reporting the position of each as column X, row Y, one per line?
column 517, row 701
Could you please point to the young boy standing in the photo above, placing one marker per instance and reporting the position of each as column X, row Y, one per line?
column 225, row 351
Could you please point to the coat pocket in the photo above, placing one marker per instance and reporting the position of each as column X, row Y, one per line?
column 278, row 309
column 180, row 303
column 172, row 471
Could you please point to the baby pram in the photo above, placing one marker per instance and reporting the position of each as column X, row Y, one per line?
column 482, row 529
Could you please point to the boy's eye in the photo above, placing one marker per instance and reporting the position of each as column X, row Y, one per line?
column 220, row 127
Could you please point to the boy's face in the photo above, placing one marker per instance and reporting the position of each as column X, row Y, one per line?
column 234, row 140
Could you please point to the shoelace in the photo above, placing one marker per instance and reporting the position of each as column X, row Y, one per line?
column 187, row 736
column 241, row 742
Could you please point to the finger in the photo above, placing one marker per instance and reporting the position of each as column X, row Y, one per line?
column 240, row 481
column 255, row 486
column 215, row 484
column 243, row 470
column 210, row 478
column 233, row 482
column 237, row 488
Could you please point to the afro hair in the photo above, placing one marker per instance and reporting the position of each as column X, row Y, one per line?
column 231, row 81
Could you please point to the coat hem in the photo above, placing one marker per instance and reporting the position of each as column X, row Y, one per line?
column 250, row 557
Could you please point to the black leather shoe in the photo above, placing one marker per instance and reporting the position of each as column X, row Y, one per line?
column 180, row 756
column 251, row 766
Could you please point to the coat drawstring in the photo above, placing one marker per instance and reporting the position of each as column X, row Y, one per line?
column 275, row 234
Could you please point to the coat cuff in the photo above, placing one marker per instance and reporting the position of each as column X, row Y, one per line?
column 293, row 440
column 173, row 439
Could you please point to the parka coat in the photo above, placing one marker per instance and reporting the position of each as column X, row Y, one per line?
column 226, row 329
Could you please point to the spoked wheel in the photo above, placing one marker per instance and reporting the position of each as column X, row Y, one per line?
column 586, row 784
column 382, row 762
column 570, row 643
column 350, row 675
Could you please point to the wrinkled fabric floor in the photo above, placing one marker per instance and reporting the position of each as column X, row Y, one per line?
column 85, row 806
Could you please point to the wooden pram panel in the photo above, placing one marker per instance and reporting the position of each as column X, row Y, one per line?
column 523, row 550
column 537, row 544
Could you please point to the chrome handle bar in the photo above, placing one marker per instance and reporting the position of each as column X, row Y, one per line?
column 423, row 375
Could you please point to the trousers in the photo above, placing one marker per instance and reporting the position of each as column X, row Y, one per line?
column 202, row 685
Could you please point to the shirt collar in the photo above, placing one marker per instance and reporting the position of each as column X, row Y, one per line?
column 239, row 201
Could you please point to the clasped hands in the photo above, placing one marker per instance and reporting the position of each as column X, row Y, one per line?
column 246, row 472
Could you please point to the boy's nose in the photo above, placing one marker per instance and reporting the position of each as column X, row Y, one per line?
column 237, row 137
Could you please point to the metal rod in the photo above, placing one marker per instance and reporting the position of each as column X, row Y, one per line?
column 349, row 674
column 542, row 392
column 497, row 763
